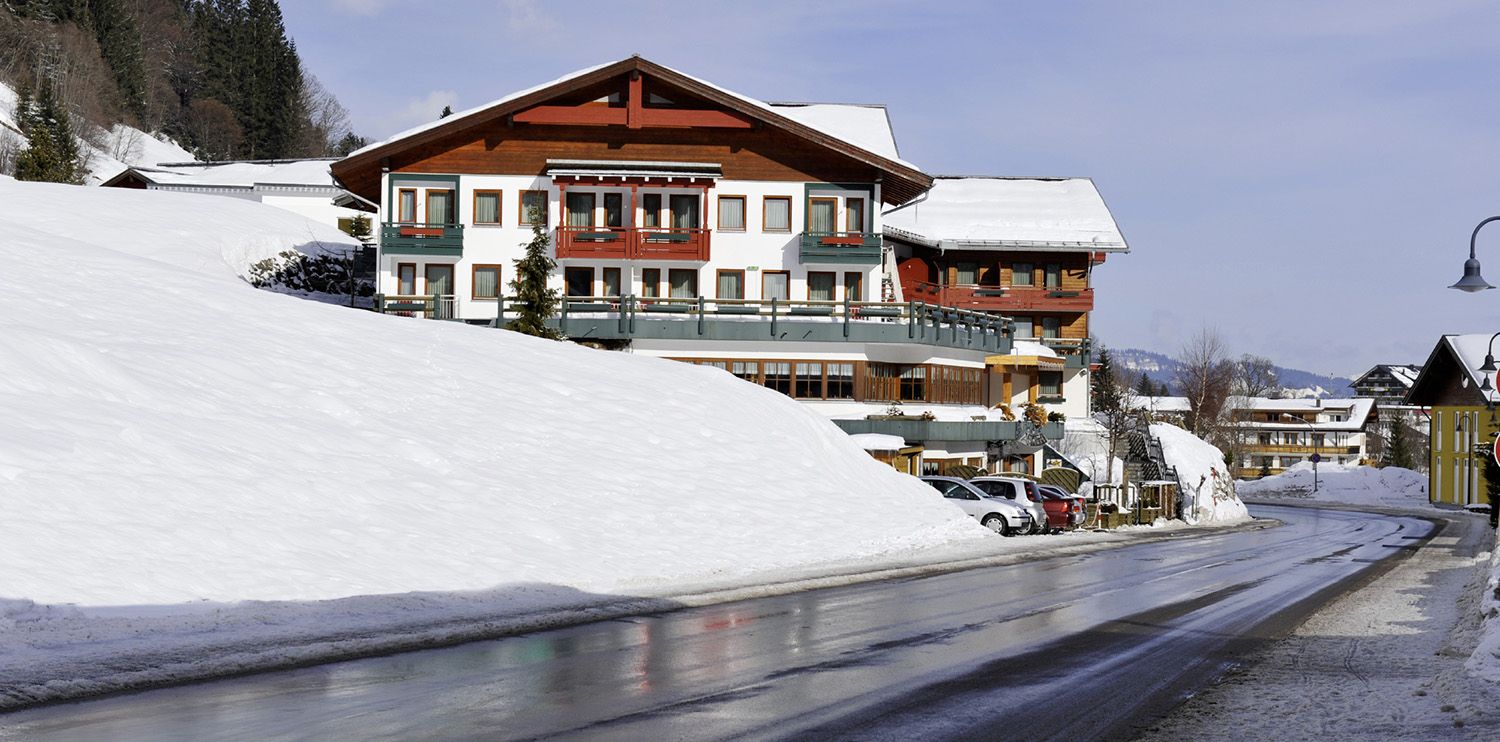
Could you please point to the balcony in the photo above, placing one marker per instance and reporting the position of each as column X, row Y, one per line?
column 422, row 239
column 1004, row 299
column 1075, row 352
column 846, row 248
column 1278, row 448
column 633, row 243
column 701, row 318
column 917, row 429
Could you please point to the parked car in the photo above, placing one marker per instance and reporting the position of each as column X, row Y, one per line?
column 1064, row 510
column 995, row 513
column 1022, row 492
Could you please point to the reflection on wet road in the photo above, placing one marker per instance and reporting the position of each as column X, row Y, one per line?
column 1066, row 648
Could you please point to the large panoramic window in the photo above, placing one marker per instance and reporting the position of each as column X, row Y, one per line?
column 486, row 282
column 731, row 213
column 487, row 207
column 533, row 208
column 777, row 214
column 684, row 282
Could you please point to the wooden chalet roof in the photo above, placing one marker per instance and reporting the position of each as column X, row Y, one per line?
column 360, row 172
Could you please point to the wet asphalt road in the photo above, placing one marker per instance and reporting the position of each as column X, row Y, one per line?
column 1074, row 647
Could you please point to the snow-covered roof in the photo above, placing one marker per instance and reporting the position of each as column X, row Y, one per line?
column 245, row 174
column 863, row 126
column 1031, row 348
column 1165, row 404
column 878, row 441
column 1036, row 213
column 1470, row 351
column 1403, row 374
column 1357, row 410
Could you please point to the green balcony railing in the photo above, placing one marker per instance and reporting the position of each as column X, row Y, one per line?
column 850, row 248
column 422, row 239
column 915, row 429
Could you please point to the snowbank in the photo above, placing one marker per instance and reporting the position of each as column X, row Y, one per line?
column 1207, row 486
column 1346, row 483
column 1485, row 662
column 177, row 442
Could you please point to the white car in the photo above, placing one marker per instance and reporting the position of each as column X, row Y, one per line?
column 1020, row 491
column 995, row 513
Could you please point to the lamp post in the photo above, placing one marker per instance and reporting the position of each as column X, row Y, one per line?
column 1472, row 281
column 1314, row 457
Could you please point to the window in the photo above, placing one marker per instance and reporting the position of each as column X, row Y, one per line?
column 486, row 207
column 614, row 209
column 779, row 377
column 1049, row 383
column 747, row 370
column 1051, row 327
column 406, row 279
column 775, row 285
column 1053, row 276
column 684, row 211
column 406, row 209
column 486, row 284
column 611, row 281
column 732, row 213
column 440, row 206
column 820, row 286
column 651, row 282
column 1023, row 327
column 854, row 286
column 580, row 209
column 1021, row 275
column 966, row 274
column 776, row 214
column 854, row 215
column 914, row 384
column 822, row 216
column 731, row 285
column 439, row 279
column 684, row 282
column 533, row 208
column 809, row 383
column 651, row 210
column 840, row 381
column 579, row 281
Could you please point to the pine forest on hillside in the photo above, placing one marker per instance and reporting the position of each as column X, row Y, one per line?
column 220, row 77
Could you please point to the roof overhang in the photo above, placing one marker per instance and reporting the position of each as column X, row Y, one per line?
column 1045, row 363
column 626, row 171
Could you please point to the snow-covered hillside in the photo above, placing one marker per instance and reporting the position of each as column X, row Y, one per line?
column 174, row 435
column 107, row 153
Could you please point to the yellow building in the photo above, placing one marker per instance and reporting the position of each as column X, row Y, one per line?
column 1463, row 420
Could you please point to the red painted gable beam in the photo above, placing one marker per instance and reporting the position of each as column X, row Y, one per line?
column 634, row 103
column 586, row 115
column 678, row 117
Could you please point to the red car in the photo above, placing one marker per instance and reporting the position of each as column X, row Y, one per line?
column 1064, row 511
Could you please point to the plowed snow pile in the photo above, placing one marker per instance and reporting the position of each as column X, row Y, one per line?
column 1208, row 488
column 173, row 435
column 1349, row 483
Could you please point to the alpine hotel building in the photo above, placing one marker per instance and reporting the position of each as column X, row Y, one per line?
column 787, row 243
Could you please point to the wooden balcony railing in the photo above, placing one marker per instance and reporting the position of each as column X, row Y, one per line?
column 1003, row 299
column 422, row 239
column 633, row 243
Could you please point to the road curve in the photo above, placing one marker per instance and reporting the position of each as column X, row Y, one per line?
column 1074, row 647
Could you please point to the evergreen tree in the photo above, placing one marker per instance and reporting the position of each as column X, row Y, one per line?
column 245, row 61
column 349, row 143
column 1104, row 390
column 1144, row 387
column 1492, row 488
column 536, row 301
column 359, row 229
column 51, row 152
column 446, row 112
column 1397, row 445
column 1265, row 467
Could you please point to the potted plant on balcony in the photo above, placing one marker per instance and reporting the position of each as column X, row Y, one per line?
column 1035, row 413
column 1056, row 417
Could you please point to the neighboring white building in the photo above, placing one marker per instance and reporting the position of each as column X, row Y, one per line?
column 302, row 186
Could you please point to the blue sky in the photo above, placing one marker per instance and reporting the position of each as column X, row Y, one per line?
column 1301, row 176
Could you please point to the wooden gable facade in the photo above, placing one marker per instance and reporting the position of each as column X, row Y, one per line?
column 632, row 110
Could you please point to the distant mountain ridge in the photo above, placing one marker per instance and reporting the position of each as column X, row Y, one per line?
column 1130, row 363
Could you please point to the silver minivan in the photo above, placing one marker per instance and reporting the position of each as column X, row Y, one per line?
column 1017, row 491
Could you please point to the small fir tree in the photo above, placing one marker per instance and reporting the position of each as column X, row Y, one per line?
column 1104, row 391
column 1144, row 387
column 1265, row 468
column 359, row 229
column 51, row 152
column 1397, row 445
column 447, row 111
column 536, row 302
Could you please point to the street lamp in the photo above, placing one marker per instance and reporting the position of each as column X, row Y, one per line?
column 1472, row 281
column 1314, row 456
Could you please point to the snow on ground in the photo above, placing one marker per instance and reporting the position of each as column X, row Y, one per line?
column 177, row 442
column 1205, row 480
column 1347, row 483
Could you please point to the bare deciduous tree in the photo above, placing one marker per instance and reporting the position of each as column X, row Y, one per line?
column 1205, row 376
column 214, row 127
